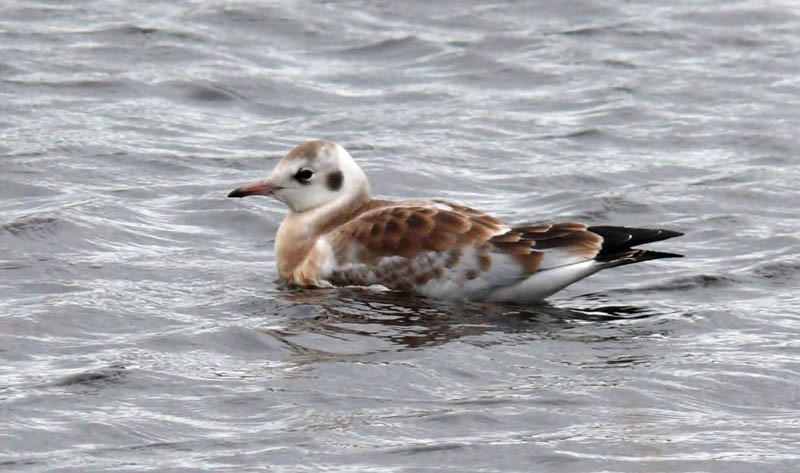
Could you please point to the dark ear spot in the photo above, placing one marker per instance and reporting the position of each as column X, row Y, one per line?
column 335, row 180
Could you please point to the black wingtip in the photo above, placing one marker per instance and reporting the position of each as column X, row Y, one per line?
column 627, row 237
column 650, row 254
column 633, row 256
column 667, row 234
column 619, row 243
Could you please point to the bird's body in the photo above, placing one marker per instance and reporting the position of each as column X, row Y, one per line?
column 336, row 234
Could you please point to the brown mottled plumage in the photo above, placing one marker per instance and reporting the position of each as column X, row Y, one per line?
column 336, row 234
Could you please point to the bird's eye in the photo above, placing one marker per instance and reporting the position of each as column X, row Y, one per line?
column 304, row 175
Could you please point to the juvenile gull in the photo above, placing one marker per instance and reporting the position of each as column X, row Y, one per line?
column 336, row 234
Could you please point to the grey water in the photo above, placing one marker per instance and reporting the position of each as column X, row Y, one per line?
column 142, row 325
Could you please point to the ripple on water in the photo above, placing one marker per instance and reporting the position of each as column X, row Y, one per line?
column 142, row 325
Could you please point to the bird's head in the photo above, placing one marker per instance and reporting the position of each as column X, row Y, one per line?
column 314, row 174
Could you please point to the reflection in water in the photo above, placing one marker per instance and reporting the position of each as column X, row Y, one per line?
column 356, row 322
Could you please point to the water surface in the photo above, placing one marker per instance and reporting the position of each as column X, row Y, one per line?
column 141, row 324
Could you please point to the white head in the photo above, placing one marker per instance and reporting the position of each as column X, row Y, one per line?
column 315, row 174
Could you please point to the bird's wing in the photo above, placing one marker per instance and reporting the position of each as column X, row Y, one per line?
column 550, row 245
column 409, row 230
column 407, row 246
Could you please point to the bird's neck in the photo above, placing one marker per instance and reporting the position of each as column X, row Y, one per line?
column 300, row 231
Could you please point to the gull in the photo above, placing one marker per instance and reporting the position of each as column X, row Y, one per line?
column 335, row 234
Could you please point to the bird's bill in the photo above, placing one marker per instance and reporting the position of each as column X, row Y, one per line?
column 256, row 188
